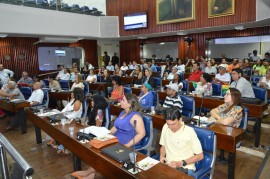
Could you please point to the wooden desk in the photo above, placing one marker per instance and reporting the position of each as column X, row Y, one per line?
column 165, row 82
column 136, row 91
column 93, row 157
column 127, row 80
column 224, row 141
column 58, row 96
column 98, row 86
column 268, row 94
column 18, row 109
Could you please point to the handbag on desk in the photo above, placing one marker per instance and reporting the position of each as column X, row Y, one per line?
column 101, row 142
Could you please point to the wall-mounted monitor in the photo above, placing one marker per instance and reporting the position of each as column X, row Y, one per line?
column 60, row 53
column 135, row 21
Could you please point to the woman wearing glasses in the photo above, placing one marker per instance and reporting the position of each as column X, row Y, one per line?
column 230, row 113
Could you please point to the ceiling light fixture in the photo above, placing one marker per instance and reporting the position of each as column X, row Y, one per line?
column 181, row 33
column 3, row 35
column 239, row 27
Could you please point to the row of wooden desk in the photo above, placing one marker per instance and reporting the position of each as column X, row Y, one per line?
column 224, row 141
column 93, row 157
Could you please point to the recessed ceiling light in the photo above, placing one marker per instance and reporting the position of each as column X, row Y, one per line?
column 161, row 43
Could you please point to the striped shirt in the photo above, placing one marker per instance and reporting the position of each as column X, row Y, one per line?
column 174, row 101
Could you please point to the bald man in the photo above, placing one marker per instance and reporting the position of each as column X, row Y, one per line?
column 37, row 95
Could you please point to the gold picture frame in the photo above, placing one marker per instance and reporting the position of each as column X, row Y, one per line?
column 172, row 11
column 218, row 8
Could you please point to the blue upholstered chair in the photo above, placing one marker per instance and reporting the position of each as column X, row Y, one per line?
column 188, row 106
column 144, row 146
column 249, row 71
column 52, row 3
column 244, row 121
column 157, row 82
column 217, row 89
column 127, row 90
column 85, row 108
column 75, row 7
column 205, row 167
column 158, row 69
column 155, row 99
column 86, row 88
column 45, row 101
column 26, row 91
column 64, row 84
column 108, row 117
column 46, row 81
column 260, row 93
column 254, row 79
column 109, row 89
column 185, row 87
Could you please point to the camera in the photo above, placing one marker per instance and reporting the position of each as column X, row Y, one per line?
column 188, row 39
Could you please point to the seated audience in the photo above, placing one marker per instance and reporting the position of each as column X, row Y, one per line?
column 73, row 68
column 224, row 63
column 38, row 79
column 265, row 80
column 243, row 67
column 123, row 129
column 148, row 78
column 61, row 71
column 118, row 89
column 177, row 80
column 65, row 75
column 96, row 115
column 25, row 80
column 12, row 92
column 54, row 84
column 256, row 69
column 180, row 67
column 230, row 113
column 118, row 72
column 222, row 77
column 210, row 69
column 131, row 66
column 204, row 86
column 242, row 84
column 91, row 78
column 172, row 99
column 195, row 75
column 78, row 83
column 137, row 73
column 265, row 67
column 180, row 146
column 110, row 67
column 106, row 77
column 171, row 75
column 146, row 97
column 73, row 74
column 254, row 56
column 213, row 62
column 152, row 66
column 233, row 65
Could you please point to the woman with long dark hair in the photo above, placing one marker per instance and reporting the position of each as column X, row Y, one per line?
column 230, row 113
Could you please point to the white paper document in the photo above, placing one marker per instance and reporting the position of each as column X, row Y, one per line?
column 97, row 131
column 147, row 163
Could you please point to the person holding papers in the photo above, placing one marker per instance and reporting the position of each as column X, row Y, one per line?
column 124, row 129
column 230, row 113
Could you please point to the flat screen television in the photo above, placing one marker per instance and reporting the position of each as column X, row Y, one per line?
column 135, row 21
column 60, row 53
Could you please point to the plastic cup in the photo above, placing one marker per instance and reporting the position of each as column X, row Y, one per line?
column 153, row 109
column 41, row 111
column 161, row 89
column 229, row 130
column 63, row 121
column 193, row 93
column 132, row 157
column 71, row 130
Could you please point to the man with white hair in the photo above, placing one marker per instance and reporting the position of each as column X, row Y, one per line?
column 12, row 91
column 223, row 77
column 171, row 75
column 37, row 95
column 5, row 74
column 25, row 80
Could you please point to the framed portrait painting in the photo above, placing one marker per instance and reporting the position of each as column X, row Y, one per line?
column 171, row 11
column 217, row 8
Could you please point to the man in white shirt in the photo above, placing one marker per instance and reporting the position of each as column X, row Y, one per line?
column 60, row 73
column 254, row 57
column 171, row 75
column 110, row 67
column 223, row 77
column 5, row 74
column 37, row 95
column 65, row 75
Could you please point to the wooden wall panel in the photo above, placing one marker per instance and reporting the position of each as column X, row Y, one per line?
column 197, row 47
column 16, row 45
column 245, row 11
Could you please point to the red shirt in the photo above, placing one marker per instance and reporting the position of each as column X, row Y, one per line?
column 195, row 76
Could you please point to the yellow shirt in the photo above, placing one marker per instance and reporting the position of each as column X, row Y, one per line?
column 180, row 145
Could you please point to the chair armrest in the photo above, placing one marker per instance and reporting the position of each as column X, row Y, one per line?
column 200, row 173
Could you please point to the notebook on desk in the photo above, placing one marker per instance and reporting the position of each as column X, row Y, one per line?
column 17, row 101
column 118, row 152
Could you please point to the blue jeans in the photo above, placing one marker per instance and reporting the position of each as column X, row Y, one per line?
column 187, row 171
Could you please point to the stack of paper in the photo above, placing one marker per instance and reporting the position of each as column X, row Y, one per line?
column 97, row 131
column 147, row 163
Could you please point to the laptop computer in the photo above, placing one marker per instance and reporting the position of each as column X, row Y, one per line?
column 118, row 152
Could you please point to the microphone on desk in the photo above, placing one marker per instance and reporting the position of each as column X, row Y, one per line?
column 134, row 156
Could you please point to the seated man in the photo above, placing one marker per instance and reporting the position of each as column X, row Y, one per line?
column 180, row 146
column 196, row 74
column 12, row 91
column 171, row 75
column 222, row 77
column 25, row 80
column 37, row 95
column 173, row 99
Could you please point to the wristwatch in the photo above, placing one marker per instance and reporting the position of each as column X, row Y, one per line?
column 184, row 163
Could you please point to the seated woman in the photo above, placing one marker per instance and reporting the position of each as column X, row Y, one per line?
column 38, row 79
column 53, row 84
column 123, row 129
column 137, row 73
column 210, row 69
column 148, row 78
column 92, row 78
column 118, row 72
column 265, row 80
column 230, row 113
column 204, row 86
column 78, row 83
column 177, row 80
column 146, row 97
column 124, row 67
column 72, row 110
column 118, row 89
column 96, row 114
column 106, row 77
